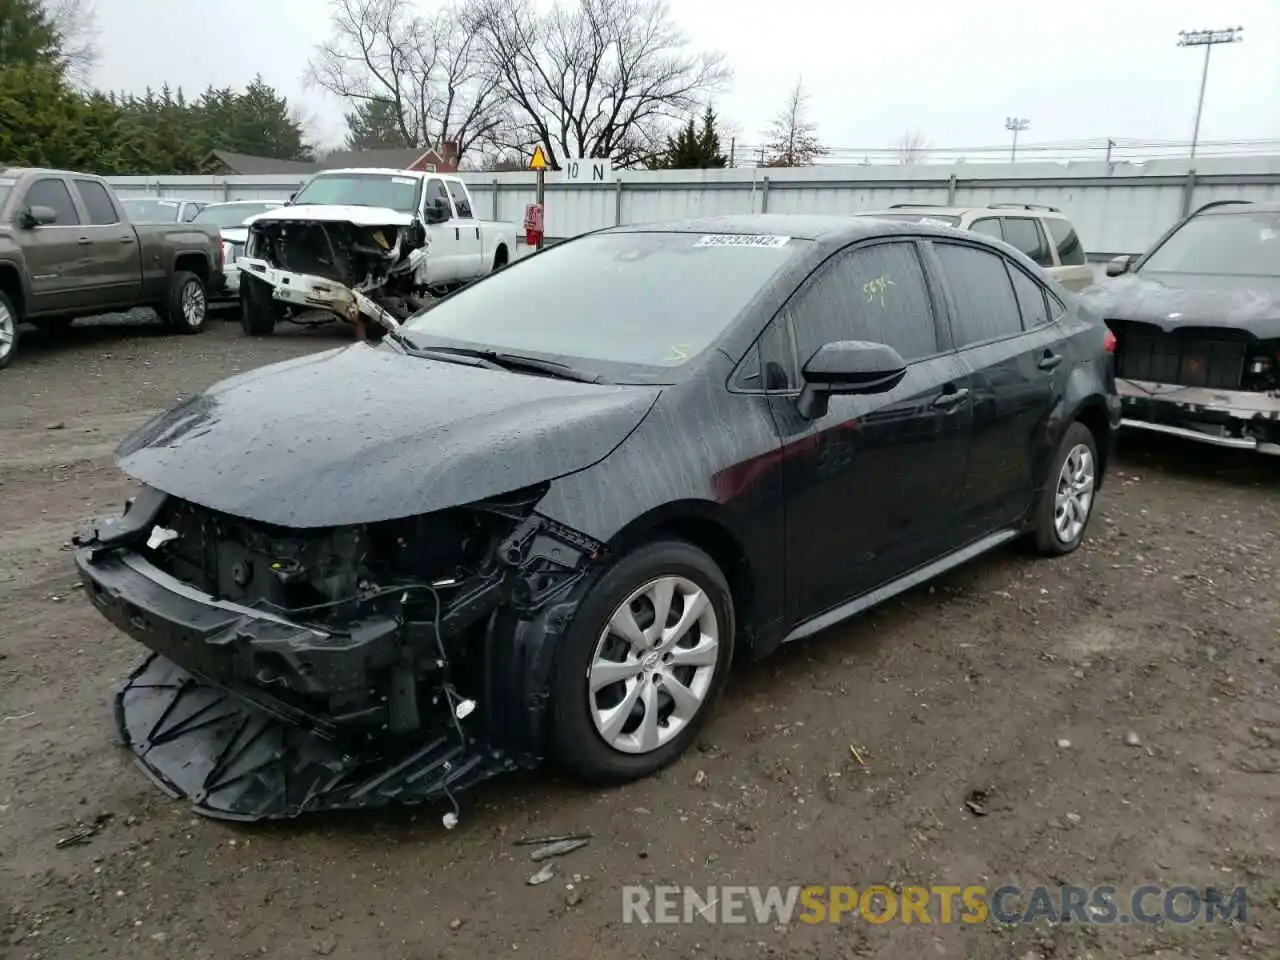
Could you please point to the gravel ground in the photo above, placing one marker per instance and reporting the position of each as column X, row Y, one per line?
column 1111, row 717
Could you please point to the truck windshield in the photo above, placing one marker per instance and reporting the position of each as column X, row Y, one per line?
column 231, row 214
column 363, row 190
column 151, row 211
column 634, row 299
column 1224, row 244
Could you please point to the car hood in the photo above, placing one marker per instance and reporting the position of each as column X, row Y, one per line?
column 338, row 213
column 1190, row 301
column 362, row 434
column 235, row 234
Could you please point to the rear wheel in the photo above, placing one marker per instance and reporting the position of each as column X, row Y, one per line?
column 259, row 311
column 187, row 306
column 642, row 662
column 1066, row 503
column 8, row 330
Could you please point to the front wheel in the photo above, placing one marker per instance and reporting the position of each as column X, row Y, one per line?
column 8, row 330
column 642, row 662
column 187, row 306
column 259, row 310
column 1066, row 503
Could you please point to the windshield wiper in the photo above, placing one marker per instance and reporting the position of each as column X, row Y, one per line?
column 516, row 361
column 410, row 348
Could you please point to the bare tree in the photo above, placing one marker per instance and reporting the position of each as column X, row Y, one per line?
column 912, row 147
column 76, row 24
column 596, row 78
column 427, row 67
column 793, row 141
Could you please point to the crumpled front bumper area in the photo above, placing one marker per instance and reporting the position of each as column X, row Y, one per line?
column 1242, row 419
column 235, row 761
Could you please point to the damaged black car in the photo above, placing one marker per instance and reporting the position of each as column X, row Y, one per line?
column 1197, row 324
column 541, row 519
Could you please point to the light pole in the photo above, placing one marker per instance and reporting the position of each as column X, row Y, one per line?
column 1207, row 39
column 1015, row 124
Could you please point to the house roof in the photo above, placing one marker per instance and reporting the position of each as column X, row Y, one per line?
column 400, row 158
column 245, row 163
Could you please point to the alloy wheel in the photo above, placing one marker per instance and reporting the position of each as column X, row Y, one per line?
column 8, row 332
column 1074, row 496
column 653, row 664
column 193, row 304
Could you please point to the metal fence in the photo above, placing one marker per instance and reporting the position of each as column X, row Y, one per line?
column 1116, row 207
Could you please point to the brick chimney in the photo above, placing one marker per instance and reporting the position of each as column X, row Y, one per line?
column 449, row 156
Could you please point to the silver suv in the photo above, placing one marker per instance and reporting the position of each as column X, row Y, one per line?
column 1039, row 231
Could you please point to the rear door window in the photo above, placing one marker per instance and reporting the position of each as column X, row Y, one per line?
column 93, row 195
column 1065, row 238
column 985, row 306
column 1023, row 233
column 1031, row 299
column 461, row 201
column 988, row 226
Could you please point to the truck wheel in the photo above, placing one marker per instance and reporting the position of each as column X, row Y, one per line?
column 8, row 330
column 258, row 309
column 187, row 306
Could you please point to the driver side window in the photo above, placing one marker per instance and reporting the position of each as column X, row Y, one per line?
column 436, row 190
column 876, row 293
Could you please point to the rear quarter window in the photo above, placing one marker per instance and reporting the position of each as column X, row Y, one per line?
column 1065, row 238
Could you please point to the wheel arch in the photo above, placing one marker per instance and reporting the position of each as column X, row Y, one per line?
column 1093, row 414
column 192, row 262
column 707, row 526
column 11, row 282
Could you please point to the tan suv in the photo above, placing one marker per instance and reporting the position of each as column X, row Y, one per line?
column 1041, row 232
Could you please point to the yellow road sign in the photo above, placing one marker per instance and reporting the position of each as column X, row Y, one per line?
column 539, row 161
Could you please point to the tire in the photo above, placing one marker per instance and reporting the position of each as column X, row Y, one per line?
column 8, row 330
column 1077, row 455
column 187, row 305
column 258, row 309
column 578, row 743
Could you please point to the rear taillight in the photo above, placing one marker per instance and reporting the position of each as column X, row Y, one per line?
column 1109, row 341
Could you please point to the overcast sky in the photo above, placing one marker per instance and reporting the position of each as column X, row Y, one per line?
column 955, row 71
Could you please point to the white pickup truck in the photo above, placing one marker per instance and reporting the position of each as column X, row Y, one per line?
column 367, row 244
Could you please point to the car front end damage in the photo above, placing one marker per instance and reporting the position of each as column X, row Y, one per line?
column 354, row 264
column 298, row 670
column 1217, row 385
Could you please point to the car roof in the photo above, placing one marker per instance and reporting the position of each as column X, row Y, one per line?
column 234, row 203
column 801, row 226
column 1227, row 207
column 1001, row 209
column 390, row 171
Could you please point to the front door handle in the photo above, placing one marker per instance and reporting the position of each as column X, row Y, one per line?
column 127, row 239
column 457, row 233
column 84, row 241
column 950, row 398
column 1049, row 360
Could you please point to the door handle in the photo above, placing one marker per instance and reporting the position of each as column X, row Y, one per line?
column 950, row 398
column 126, row 239
column 457, row 233
column 1049, row 360
column 84, row 241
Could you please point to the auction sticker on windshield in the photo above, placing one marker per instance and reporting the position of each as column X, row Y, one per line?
column 741, row 240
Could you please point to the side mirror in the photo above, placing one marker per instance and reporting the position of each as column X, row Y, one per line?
column 39, row 216
column 291, row 196
column 848, row 367
column 1119, row 265
column 437, row 210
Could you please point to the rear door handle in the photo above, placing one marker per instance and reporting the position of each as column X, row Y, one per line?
column 1049, row 361
column 126, row 239
column 84, row 241
column 951, row 398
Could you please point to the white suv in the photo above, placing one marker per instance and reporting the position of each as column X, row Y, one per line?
column 1041, row 232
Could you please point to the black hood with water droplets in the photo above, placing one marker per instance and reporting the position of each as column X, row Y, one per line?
column 363, row 434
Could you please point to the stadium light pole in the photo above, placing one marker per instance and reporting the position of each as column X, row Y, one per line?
column 1207, row 39
column 1015, row 124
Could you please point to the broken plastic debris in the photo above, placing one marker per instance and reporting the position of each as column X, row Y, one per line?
column 559, row 848
column 160, row 536
column 543, row 841
column 450, row 820
column 542, row 876
column 464, row 709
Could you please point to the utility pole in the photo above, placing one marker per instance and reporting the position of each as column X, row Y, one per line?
column 1015, row 124
column 1207, row 39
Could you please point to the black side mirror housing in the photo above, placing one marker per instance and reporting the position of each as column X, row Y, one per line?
column 1117, row 266
column 436, row 211
column 291, row 196
column 846, row 367
column 39, row 216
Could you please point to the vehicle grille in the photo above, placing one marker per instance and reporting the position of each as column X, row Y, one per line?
column 1188, row 358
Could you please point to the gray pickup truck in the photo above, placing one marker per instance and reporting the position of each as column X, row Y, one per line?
column 68, row 250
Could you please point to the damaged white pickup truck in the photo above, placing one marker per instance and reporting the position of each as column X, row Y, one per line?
column 366, row 244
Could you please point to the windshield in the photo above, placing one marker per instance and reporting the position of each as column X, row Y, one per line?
column 1223, row 244
column 636, row 299
column 152, row 211
column 942, row 218
column 363, row 190
column 232, row 214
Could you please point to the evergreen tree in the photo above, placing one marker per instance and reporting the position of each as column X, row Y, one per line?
column 374, row 125
column 27, row 37
column 693, row 148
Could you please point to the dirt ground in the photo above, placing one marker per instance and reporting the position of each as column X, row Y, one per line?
column 1165, row 625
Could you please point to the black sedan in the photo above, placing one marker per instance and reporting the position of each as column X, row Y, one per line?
column 542, row 519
